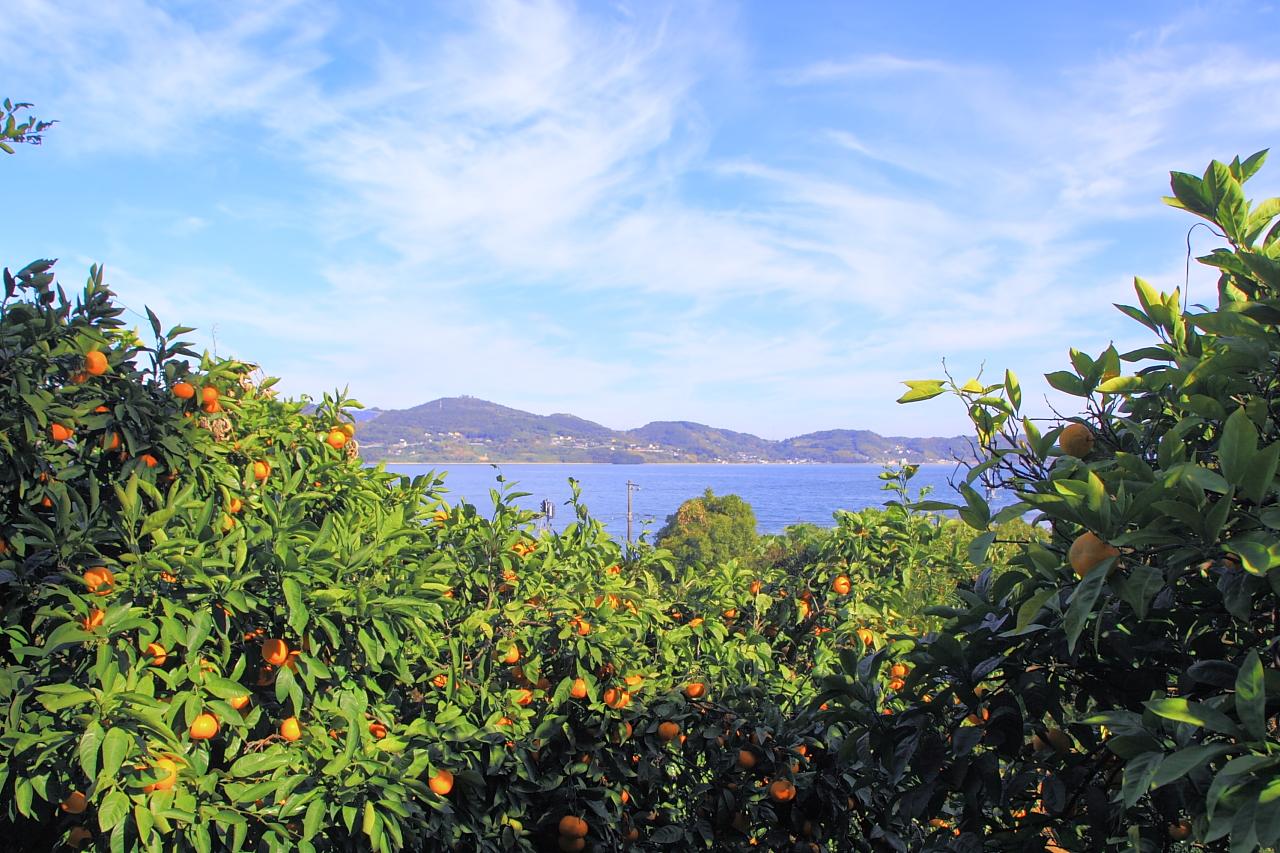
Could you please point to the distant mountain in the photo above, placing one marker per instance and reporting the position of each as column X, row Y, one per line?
column 466, row 429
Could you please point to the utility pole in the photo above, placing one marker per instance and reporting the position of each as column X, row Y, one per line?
column 630, row 487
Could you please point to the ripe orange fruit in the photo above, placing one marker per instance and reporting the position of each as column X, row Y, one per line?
column 440, row 680
column 782, row 791
column 1055, row 739
column 208, row 394
column 59, row 433
column 579, row 689
column 899, row 670
column 275, row 651
column 149, row 460
column 584, row 628
column 169, row 768
column 99, row 580
column 746, row 759
column 802, row 610
column 204, row 726
column 183, row 390
column 111, row 441
column 512, row 655
column 349, row 430
column 337, row 439
column 235, row 506
column 634, row 680
column 157, row 653
column 441, row 783
column 1087, row 551
column 1180, row 831
column 1076, row 440
column 524, row 697
column 93, row 620
column 290, row 730
column 841, row 585
column 212, row 408
column 695, row 690
column 668, row 731
column 572, row 826
column 238, row 702
column 78, row 836
column 75, row 803
column 95, row 363
column 261, row 470
column 378, row 730
column 865, row 636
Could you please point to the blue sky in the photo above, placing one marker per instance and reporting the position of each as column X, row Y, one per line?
column 757, row 215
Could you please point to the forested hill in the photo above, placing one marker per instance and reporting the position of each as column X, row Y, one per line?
column 465, row 429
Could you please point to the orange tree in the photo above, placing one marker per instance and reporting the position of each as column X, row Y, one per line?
column 1117, row 688
column 223, row 632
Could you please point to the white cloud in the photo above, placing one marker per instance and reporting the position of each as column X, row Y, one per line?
column 873, row 65
column 949, row 209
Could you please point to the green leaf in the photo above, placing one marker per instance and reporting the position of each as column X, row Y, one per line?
column 260, row 762
column 115, row 806
column 1122, row 384
column 1188, row 191
column 1257, row 557
column 1032, row 606
column 224, row 688
column 1182, row 762
column 1012, row 389
column 314, row 819
column 1195, row 713
column 1140, row 587
column 1238, row 445
column 921, row 389
column 1082, row 601
column 198, row 631
column 114, row 747
column 1067, row 383
column 293, row 598
column 90, row 743
column 1251, row 696
column 1138, row 773
column 1261, row 474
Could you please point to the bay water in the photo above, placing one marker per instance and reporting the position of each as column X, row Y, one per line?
column 781, row 495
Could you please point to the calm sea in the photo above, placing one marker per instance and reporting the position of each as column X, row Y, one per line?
column 779, row 494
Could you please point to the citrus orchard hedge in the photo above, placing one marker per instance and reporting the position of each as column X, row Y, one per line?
column 222, row 632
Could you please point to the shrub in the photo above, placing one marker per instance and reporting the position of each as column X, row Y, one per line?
column 710, row 530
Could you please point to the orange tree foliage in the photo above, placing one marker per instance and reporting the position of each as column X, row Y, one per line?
column 1118, row 687
column 221, row 631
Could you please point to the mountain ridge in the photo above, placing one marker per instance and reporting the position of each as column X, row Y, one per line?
column 468, row 429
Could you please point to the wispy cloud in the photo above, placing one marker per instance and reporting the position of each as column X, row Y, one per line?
column 873, row 65
column 536, row 202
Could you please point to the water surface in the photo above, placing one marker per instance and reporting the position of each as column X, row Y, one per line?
column 779, row 494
